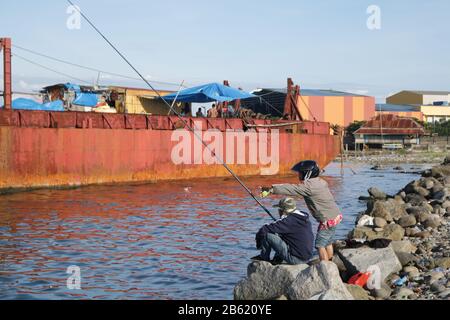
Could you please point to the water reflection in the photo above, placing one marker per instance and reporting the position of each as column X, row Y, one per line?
column 188, row 240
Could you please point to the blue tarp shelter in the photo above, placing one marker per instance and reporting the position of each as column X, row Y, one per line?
column 28, row 104
column 209, row 93
column 86, row 99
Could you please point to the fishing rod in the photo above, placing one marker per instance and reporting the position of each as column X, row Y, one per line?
column 174, row 111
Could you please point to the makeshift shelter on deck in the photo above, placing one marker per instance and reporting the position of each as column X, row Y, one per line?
column 208, row 93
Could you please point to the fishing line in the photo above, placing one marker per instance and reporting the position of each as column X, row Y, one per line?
column 175, row 112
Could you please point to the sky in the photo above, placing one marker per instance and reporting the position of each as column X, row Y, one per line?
column 320, row 44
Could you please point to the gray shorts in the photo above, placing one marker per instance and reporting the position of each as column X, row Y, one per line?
column 325, row 237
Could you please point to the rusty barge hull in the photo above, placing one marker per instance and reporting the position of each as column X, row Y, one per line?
column 62, row 149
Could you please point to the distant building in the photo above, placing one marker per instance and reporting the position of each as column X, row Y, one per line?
column 389, row 130
column 434, row 105
column 335, row 107
column 420, row 98
column 400, row 111
column 140, row 101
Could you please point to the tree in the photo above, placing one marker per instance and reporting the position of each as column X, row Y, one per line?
column 355, row 126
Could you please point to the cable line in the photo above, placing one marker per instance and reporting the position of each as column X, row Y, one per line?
column 175, row 112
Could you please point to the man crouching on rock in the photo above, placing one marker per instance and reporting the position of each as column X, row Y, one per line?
column 291, row 237
column 320, row 203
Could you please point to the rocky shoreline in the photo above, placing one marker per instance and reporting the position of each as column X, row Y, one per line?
column 405, row 237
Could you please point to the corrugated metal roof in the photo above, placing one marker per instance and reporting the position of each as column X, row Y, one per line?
column 391, row 124
column 429, row 92
column 387, row 107
column 309, row 92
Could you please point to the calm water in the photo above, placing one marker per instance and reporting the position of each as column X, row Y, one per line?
column 188, row 240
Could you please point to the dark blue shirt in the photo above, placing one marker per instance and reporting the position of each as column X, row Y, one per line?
column 296, row 231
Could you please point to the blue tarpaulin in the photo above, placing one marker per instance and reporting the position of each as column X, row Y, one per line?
column 28, row 104
column 72, row 86
column 86, row 99
column 209, row 93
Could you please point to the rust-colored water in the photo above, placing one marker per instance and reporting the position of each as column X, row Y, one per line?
column 185, row 240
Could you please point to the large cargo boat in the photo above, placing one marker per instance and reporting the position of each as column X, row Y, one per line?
column 49, row 149
column 41, row 149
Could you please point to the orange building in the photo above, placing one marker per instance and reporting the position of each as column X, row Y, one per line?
column 335, row 107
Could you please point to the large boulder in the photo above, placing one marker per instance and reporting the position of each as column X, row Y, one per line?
column 415, row 199
column 433, row 221
column 377, row 194
column 359, row 260
column 265, row 281
column 319, row 282
column 393, row 232
column 403, row 246
column 364, row 233
column 407, row 221
column 377, row 209
column 357, row 292
column 440, row 171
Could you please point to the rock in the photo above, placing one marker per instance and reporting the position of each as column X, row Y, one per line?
column 403, row 294
column 319, row 282
column 415, row 199
column 428, row 183
column 282, row 298
column 433, row 221
column 434, row 276
column 415, row 211
column 422, row 235
column 422, row 217
column 399, row 169
column 379, row 222
column 378, row 210
column 363, row 233
column 410, row 187
column 357, row 292
column 444, row 294
column 443, row 263
column 383, row 293
column 407, row 221
column 412, row 232
column 359, row 260
column 437, row 287
column 421, row 191
column 406, row 258
column 446, row 205
column 403, row 246
column 376, row 168
column 393, row 232
column 265, row 281
column 440, row 196
column 365, row 220
column 440, row 172
column 378, row 230
column 377, row 194
column 412, row 272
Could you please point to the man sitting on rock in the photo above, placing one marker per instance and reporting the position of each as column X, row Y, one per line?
column 319, row 200
column 291, row 237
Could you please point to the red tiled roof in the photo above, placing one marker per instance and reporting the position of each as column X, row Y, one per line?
column 391, row 124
